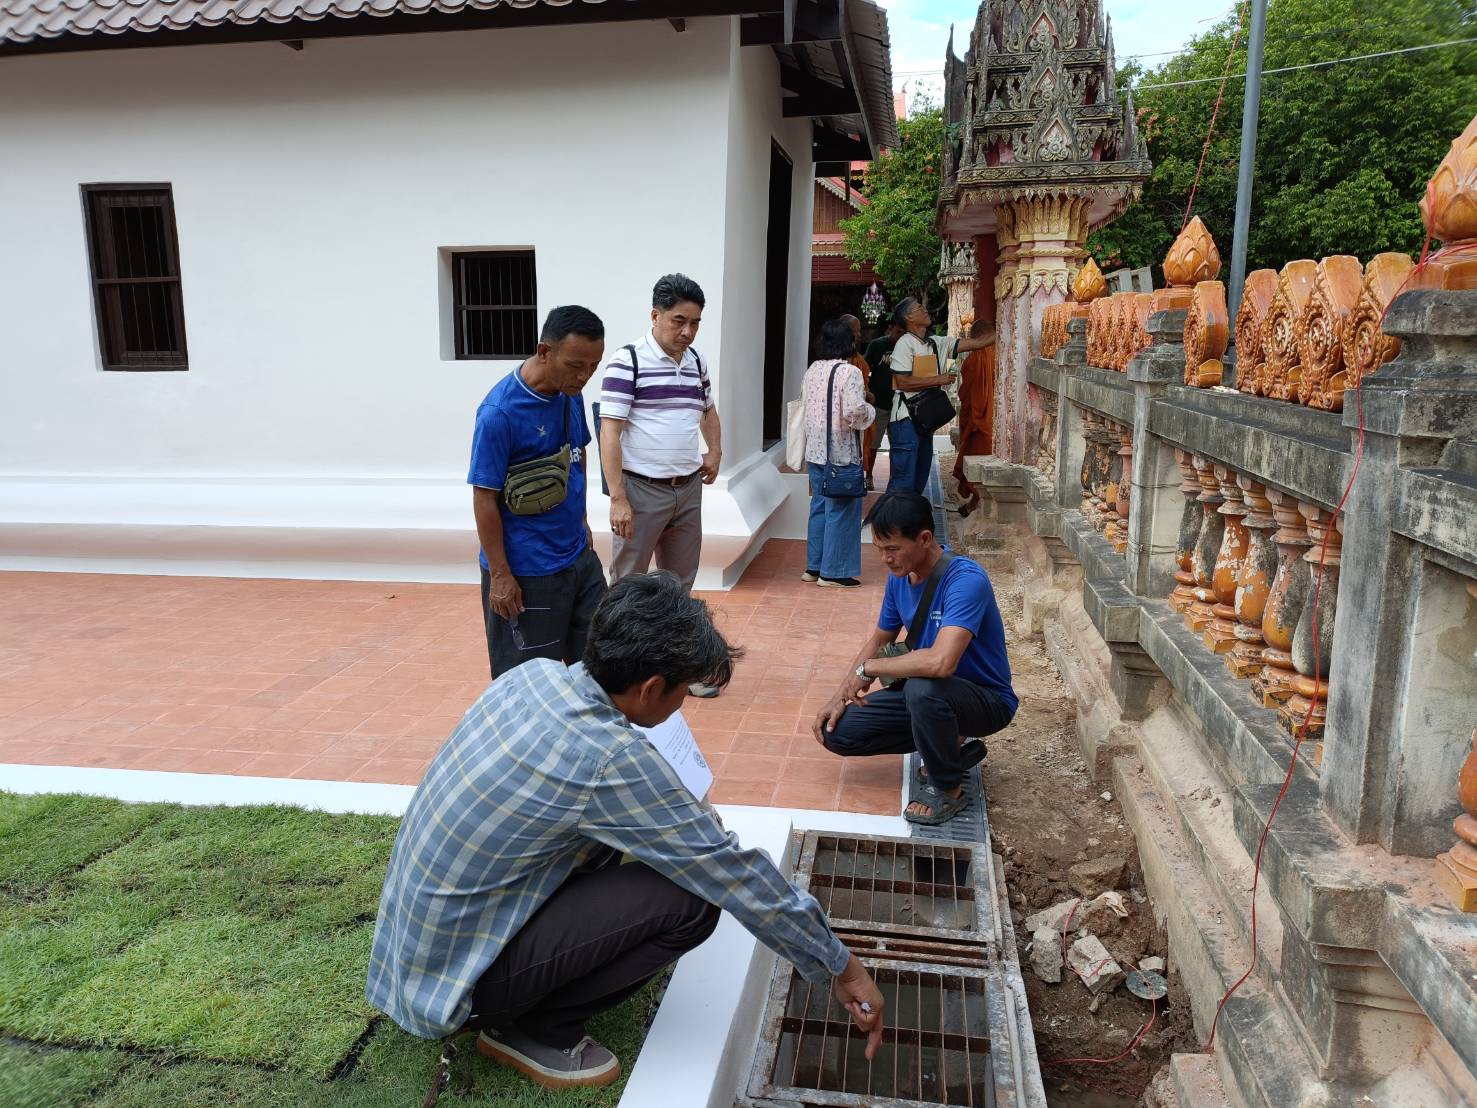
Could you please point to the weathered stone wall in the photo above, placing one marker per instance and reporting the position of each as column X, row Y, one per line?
column 1201, row 519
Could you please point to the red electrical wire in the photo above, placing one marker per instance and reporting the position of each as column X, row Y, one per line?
column 1142, row 1031
column 1301, row 733
column 1215, row 112
column 1129, row 1049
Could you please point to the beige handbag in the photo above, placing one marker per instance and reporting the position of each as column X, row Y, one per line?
column 795, row 435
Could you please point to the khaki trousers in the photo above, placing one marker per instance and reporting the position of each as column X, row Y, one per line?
column 666, row 521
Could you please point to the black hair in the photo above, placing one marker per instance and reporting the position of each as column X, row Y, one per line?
column 649, row 626
column 571, row 319
column 901, row 514
column 836, row 340
column 674, row 289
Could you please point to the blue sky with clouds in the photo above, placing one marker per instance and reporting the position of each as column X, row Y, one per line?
column 920, row 31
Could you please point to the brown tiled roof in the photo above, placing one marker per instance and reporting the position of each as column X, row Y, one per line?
column 28, row 20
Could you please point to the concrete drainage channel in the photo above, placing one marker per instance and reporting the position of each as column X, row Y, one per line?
column 929, row 917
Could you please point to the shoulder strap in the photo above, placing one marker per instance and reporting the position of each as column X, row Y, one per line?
column 830, row 407
column 930, row 587
column 698, row 358
column 631, row 346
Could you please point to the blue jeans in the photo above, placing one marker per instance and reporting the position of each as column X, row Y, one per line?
column 834, row 538
column 910, row 456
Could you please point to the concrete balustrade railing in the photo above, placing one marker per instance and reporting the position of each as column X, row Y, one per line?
column 1227, row 616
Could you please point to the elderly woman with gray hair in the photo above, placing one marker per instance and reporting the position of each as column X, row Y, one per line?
column 919, row 362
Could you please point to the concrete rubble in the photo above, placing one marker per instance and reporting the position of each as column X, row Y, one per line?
column 1053, row 918
column 1046, row 954
column 1094, row 966
column 1095, row 876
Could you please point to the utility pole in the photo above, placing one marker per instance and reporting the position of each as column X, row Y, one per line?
column 1250, row 110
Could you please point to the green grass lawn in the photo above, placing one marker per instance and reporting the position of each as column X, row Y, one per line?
column 160, row 955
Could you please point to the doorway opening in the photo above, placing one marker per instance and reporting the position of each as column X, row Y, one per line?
column 776, row 292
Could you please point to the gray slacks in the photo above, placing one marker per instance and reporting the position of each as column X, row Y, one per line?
column 666, row 521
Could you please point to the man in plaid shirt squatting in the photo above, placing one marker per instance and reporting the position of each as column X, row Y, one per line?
column 506, row 909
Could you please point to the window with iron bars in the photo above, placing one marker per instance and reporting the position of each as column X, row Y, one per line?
column 496, row 304
column 134, row 251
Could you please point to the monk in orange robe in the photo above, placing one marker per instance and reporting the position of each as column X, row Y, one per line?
column 976, row 410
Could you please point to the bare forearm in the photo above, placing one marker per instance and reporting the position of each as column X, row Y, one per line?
column 909, row 383
column 490, row 528
column 712, row 431
column 929, row 662
column 612, row 463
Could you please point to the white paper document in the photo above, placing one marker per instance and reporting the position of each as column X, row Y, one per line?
column 674, row 742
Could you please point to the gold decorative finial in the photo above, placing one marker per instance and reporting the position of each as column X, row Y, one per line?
column 1089, row 283
column 1193, row 257
column 1449, row 207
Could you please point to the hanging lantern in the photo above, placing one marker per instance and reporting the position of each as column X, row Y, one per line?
column 872, row 304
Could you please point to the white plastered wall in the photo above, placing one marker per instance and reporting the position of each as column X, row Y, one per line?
column 320, row 431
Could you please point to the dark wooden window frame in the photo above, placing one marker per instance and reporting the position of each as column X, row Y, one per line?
column 108, row 307
column 461, row 308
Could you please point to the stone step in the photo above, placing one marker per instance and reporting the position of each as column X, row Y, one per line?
column 1258, row 1053
column 1203, row 809
column 1195, row 1082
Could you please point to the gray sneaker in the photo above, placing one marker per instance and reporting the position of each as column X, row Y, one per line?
column 585, row 1063
column 705, row 692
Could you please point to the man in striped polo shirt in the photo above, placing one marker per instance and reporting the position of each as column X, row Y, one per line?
column 656, row 415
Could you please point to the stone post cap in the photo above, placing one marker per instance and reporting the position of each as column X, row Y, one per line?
column 1430, row 389
column 1433, row 314
column 1163, row 361
column 1167, row 326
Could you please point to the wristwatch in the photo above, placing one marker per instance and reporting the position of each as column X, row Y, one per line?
column 861, row 672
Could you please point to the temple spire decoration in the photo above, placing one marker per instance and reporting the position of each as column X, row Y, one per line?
column 1040, row 150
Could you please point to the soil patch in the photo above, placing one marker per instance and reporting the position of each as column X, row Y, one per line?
column 1047, row 815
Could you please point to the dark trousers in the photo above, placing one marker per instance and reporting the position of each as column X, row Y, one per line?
column 928, row 715
column 591, row 945
column 555, row 623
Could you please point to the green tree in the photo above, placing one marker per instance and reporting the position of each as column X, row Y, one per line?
column 1343, row 151
column 895, row 230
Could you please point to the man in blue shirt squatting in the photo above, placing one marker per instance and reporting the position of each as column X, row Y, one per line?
column 955, row 676
column 505, row 909
column 541, row 577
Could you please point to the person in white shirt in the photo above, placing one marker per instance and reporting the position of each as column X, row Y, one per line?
column 910, row 455
column 657, row 415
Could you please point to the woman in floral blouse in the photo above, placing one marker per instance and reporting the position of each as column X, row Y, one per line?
column 834, row 548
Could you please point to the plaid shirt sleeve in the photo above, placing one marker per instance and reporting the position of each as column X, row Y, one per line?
column 638, row 806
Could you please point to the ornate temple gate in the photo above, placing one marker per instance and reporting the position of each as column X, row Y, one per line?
column 1041, row 150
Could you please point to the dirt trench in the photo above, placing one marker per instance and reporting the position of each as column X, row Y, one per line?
column 1046, row 815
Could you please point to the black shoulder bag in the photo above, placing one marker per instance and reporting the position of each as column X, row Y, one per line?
column 915, row 629
column 929, row 408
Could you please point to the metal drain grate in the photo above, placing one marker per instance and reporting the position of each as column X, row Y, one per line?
column 936, row 1047
column 896, row 890
column 925, row 919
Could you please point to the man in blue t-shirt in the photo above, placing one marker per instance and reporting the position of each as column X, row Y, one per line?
column 541, row 577
column 957, row 676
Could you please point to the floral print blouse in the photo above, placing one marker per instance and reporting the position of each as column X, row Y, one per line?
column 850, row 412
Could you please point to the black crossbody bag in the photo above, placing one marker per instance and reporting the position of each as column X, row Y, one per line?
column 915, row 629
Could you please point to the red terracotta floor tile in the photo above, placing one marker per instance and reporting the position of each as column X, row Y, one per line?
column 873, row 801
column 807, row 794
column 743, row 792
column 343, row 680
